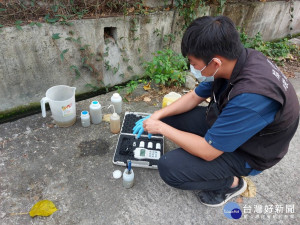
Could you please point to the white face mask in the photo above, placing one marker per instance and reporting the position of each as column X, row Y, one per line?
column 198, row 73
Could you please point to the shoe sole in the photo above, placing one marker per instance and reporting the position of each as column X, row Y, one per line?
column 241, row 191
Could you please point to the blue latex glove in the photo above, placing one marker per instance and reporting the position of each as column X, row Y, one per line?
column 138, row 128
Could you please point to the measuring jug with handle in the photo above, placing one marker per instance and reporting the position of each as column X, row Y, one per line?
column 61, row 99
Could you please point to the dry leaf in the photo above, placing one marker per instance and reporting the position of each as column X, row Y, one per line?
column 106, row 117
column 147, row 87
column 239, row 200
column 51, row 125
column 43, row 208
column 251, row 188
column 290, row 56
column 130, row 10
column 147, row 99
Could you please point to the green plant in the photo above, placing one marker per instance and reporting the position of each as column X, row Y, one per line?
column 129, row 68
column 75, row 68
column 167, row 68
column 277, row 51
column 221, row 6
column 35, row 23
column 116, row 69
column 83, row 48
column 188, row 10
column 50, row 20
column 140, row 8
column 95, row 88
column 63, row 53
column 291, row 12
column 56, row 36
column 168, row 39
column 131, row 86
column 18, row 24
column 107, row 65
column 118, row 88
column 125, row 59
column 134, row 25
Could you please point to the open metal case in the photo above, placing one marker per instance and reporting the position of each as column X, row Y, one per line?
column 127, row 143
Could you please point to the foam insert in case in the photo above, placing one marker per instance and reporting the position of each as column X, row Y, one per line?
column 127, row 143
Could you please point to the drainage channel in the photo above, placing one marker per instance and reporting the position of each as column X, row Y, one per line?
column 24, row 111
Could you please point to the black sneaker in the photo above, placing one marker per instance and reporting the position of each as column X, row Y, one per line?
column 219, row 198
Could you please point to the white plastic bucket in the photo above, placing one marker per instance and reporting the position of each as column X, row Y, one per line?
column 61, row 99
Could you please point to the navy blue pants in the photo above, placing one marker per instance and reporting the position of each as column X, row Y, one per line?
column 182, row 170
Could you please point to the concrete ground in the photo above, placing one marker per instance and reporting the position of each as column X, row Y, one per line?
column 73, row 168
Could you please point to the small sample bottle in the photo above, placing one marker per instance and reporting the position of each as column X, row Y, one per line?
column 116, row 100
column 158, row 146
column 128, row 176
column 115, row 123
column 150, row 145
column 142, row 144
column 95, row 112
column 85, row 119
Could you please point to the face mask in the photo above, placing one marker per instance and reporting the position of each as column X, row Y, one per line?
column 198, row 73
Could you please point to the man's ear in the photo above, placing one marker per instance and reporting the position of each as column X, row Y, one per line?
column 217, row 61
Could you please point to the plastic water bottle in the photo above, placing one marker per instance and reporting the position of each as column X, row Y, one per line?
column 85, row 119
column 128, row 176
column 116, row 100
column 95, row 112
column 115, row 123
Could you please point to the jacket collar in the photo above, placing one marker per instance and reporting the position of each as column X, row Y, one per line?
column 239, row 65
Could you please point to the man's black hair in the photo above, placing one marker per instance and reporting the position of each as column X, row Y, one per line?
column 208, row 36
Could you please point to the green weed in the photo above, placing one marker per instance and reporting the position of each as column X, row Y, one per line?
column 278, row 51
column 167, row 68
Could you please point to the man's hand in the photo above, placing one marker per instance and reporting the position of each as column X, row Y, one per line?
column 153, row 126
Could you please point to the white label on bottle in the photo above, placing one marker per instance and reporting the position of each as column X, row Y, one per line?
column 67, row 110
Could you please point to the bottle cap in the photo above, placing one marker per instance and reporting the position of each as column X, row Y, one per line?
column 85, row 114
column 95, row 103
column 116, row 96
column 114, row 116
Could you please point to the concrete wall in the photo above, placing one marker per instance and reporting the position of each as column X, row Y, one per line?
column 271, row 19
column 30, row 59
